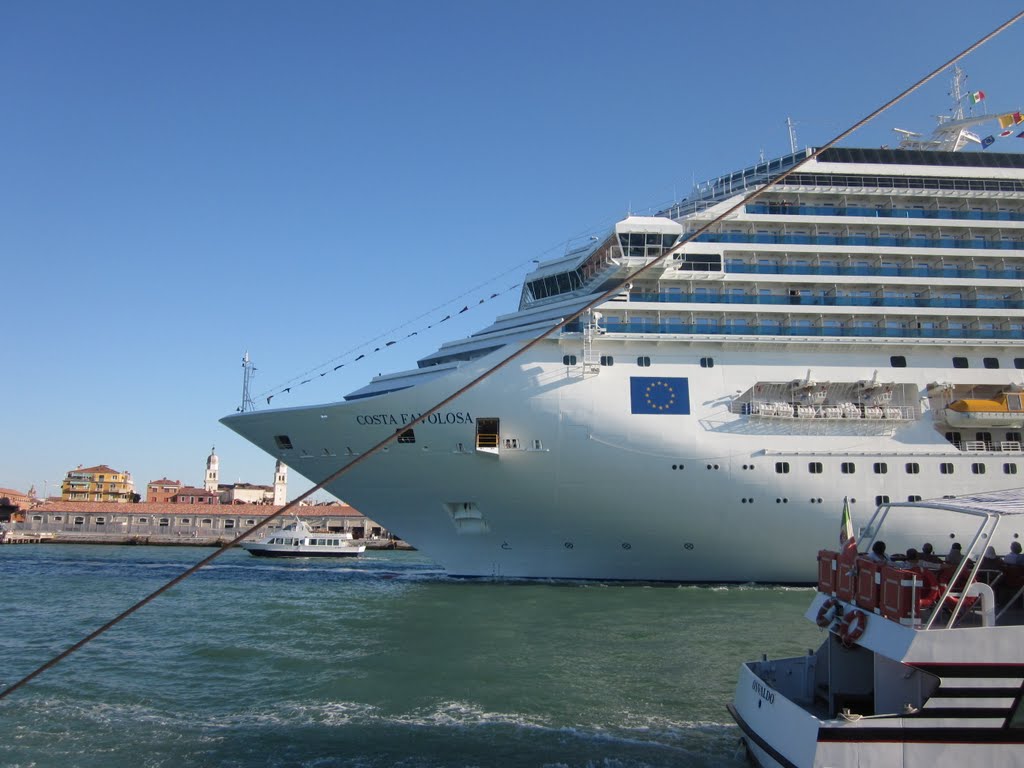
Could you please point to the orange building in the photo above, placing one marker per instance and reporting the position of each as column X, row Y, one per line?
column 99, row 483
column 162, row 490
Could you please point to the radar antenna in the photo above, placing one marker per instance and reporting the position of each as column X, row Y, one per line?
column 248, row 371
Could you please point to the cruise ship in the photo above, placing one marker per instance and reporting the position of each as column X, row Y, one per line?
column 853, row 333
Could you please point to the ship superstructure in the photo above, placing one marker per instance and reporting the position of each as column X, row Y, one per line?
column 831, row 338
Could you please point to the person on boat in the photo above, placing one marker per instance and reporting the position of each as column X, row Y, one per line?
column 877, row 554
column 1014, row 557
column 991, row 561
column 955, row 554
column 928, row 553
column 911, row 559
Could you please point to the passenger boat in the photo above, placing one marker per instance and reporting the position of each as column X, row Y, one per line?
column 805, row 348
column 297, row 539
column 921, row 667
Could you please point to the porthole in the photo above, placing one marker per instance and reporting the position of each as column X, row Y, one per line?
column 643, row 361
column 897, row 361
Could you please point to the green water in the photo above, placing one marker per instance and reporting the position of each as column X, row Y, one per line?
column 378, row 661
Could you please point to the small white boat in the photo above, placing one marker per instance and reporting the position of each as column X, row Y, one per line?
column 297, row 539
column 921, row 666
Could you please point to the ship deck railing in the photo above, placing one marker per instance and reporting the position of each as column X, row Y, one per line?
column 825, row 301
column 889, row 241
column 828, row 411
column 881, row 213
column 913, row 270
column 768, row 329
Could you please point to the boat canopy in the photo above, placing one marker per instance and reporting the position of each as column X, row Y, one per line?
column 1004, row 503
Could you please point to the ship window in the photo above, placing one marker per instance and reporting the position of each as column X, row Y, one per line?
column 913, row 498
column 643, row 361
column 607, row 360
column 978, row 468
column 782, row 467
column 913, row 468
column 1009, row 468
column 954, row 438
column 568, row 359
column 991, row 362
column 814, row 467
column 1018, row 362
column 960, row 362
column 284, row 443
column 898, row 361
column 881, row 467
column 983, row 437
column 880, row 500
column 699, row 262
column 946, row 468
column 848, row 468
column 1014, row 437
column 707, row 362
column 408, row 436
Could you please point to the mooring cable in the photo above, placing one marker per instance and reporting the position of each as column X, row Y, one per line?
column 501, row 364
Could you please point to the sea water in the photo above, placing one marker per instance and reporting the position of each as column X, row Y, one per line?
column 380, row 660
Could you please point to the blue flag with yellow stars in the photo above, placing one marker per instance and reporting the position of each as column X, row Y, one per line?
column 659, row 394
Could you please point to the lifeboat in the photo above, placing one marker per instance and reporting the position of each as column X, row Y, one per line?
column 1005, row 410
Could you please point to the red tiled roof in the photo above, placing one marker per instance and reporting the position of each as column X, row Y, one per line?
column 11, row 492
column 99, row 468
column 164, row 481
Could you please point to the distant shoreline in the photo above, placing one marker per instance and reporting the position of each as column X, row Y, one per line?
column 157, row 540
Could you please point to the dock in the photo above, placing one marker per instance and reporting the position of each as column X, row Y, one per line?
column 25, row 537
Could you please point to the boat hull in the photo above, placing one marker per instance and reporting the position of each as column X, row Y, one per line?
column 259, row 552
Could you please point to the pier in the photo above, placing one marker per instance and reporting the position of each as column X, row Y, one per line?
column 25, row 537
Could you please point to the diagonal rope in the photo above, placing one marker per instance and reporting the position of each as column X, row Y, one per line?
column 502, row 363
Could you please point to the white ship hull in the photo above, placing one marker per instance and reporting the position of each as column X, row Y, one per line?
column 607, row 494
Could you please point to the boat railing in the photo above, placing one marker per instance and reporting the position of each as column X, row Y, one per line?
column 798, row 411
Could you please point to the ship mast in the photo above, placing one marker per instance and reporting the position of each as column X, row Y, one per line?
column 248, row 371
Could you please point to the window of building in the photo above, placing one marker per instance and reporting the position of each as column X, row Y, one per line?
column 229, row 523
column 79, row 521
column 643, row 361
column 101, row 521
column 164, row 522
column 848, row 468
column 946, row 468
column 1009, row 468
column 991, row 362
column 707, row 362
column 960, row 362
column 186, row 521
column 898, row 361
column 37, row 518
column 568, row 359
column 782, row 467
column 143, row 520
column 814, row 467
column 250, row 522
column 607, row 360
column 913, row 468
column 881, row 467
column 206, row 522
column 58, row 518
column 978, row 468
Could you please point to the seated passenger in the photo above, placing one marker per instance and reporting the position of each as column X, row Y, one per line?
column 955, row 554
column 991, row 561
column 928, row 553
column 911, row 559
column 1015, row 557
column 877, row 554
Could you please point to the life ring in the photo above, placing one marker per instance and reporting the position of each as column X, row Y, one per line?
column 931, row 591
column 853, row 626
column 827, row 612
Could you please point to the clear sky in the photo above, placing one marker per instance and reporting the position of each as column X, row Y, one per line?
column 184, row 182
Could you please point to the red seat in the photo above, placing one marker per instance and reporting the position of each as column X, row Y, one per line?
column 868, row 584
column 827, row 571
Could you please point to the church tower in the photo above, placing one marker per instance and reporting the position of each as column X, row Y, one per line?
column 212, row 471
column 280, row 484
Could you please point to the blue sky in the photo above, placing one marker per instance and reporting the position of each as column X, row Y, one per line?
column 184, row 182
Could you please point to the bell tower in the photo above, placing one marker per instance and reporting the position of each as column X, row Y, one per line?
column 280, row 484
column 212, row 471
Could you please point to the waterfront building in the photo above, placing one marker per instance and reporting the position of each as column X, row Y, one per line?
column 185, row 520
column 99, row 483
column 191, row 495
column 162, row 490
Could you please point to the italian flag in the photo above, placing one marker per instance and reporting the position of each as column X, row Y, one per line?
column 847, row 541
column 977, row 96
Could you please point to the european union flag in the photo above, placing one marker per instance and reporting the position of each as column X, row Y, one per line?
column 659, row 394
